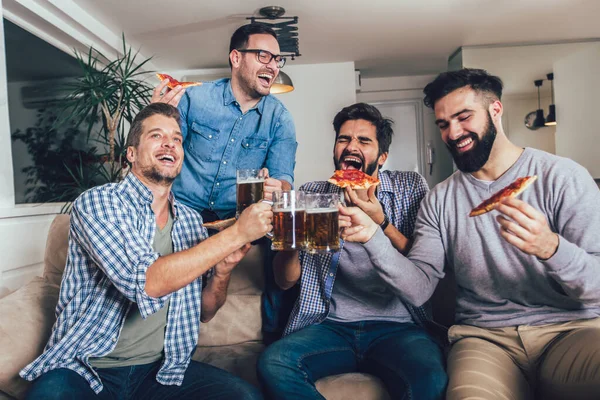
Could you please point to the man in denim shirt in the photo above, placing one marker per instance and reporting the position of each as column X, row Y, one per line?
column 234, row 124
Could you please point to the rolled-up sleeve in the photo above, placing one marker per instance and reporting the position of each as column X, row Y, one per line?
column 281, row 158
column 101, row 228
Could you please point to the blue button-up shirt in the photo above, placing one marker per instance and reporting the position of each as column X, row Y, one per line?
column 110, row 249
column 219, row 139
column 400, row 194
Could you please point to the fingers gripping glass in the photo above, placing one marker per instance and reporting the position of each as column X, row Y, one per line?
column 265, row 57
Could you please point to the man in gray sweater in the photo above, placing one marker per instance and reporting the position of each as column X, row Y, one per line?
column 527, row 274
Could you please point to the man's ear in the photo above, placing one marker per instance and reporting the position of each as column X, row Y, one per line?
column 496, row 110
column 131, row 154
column 382, row 159
column 235, row 58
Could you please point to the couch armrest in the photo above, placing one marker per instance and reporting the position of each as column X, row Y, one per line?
column 27, row 317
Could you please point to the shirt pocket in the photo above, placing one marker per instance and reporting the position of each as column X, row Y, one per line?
column 253, row 153
column 203, row 141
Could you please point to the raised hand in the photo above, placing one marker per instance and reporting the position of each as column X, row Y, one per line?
column 271, row 185
column 255, row 222
column 228, row 264
column 526, row 228
column 171, row 96
column 357, row 225
column 371, row 206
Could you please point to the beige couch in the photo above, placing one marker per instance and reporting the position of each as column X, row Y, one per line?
column 232, row 340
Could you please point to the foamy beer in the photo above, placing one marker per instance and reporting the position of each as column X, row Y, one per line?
column 322, row 225
column 249, row 188
column 289, row 218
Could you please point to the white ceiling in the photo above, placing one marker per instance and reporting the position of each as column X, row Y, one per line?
column 383, row 37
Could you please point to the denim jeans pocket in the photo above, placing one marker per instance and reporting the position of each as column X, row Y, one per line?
column 202, row 141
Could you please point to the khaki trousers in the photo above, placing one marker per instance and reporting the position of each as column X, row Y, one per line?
column 556, row 361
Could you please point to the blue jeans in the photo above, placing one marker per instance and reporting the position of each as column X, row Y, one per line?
column 408, row 361
column 201, row 381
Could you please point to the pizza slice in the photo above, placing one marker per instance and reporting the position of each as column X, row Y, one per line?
column 174, row 82
column 352, row 178
column 511, row 190
column 220, row 224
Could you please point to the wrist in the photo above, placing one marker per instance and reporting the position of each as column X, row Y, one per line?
column 384, row 224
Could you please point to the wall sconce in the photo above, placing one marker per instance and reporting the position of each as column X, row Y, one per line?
column 551, row 118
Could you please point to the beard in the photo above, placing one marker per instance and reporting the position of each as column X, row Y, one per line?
column 249, row 85
column 474, row 159
column 153, row 174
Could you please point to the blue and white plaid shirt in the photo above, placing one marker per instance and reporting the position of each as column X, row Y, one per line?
column 110, row 249
column 400, row 194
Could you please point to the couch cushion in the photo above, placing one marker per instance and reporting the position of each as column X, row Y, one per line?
column 27, row 319
column 239, row 359
column 352, row 386
column 55, row 257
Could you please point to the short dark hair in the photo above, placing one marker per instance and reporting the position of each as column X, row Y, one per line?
column 383, row 126
column 135, row 132
column 479, row 80
column 239, row 39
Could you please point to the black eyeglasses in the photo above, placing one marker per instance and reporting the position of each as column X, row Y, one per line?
column 265, row 57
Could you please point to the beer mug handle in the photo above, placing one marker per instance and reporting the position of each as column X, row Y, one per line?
column 269, row 234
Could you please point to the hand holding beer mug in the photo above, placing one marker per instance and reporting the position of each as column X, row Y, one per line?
column 322, row 225
column 357, row 225
column 255, row 221
column 249, row 188
column 289, row 217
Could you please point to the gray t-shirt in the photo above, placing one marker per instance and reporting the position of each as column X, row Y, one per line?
column 359, row 292
column 498, row 284
column 142, row 340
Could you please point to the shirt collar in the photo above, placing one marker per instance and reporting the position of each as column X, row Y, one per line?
column 386, row 182
column 141, row 192
column 229, row 98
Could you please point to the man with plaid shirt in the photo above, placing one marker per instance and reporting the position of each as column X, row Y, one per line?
column 131, row 298
column 350, row 315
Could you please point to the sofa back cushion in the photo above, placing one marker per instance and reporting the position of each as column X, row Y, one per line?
column 57, row 245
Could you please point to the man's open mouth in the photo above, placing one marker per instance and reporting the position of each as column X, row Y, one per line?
column 166, row 158
column 266, row 79
column 351, row 162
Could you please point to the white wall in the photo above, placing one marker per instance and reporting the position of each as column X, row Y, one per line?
column 321, row 91
column 577, row 106
column 407, row 88
column 515, row 110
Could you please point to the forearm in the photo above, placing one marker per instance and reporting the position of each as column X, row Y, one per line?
column 286, row 268
column 411, row 282
column 214, row 295
column 170, row 273
column 577, row 271
column 398, row 240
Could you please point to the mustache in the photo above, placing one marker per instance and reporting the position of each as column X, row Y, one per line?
column 347, row 153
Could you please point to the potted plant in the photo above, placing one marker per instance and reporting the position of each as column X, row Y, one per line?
column 99, row 105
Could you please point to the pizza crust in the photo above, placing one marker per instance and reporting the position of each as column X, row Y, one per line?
column 512, row 190
column 354, row 179
column 173, row 83
column 220, row 224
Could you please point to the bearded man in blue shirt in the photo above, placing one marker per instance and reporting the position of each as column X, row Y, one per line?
column 131, row 298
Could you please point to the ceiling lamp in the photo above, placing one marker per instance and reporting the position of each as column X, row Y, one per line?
column 539, row 114
column 282, row 84
column 285, row 27
column 551, row 118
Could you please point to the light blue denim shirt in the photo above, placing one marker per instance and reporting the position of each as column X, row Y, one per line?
column 218, row 139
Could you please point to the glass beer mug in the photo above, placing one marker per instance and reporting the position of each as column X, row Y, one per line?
column 249, row 188
column 289, row 218
column 322, row 225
